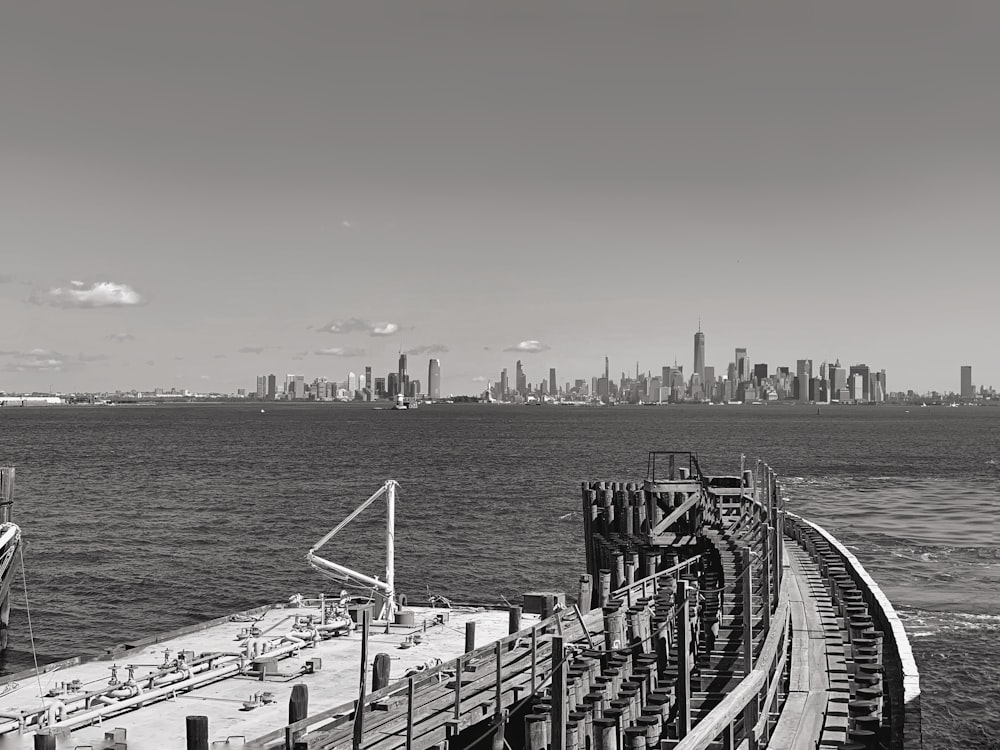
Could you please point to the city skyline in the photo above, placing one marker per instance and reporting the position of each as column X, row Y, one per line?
column 195, row 194
column 742, row 367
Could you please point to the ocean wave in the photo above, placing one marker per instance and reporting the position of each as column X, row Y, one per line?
column 925, row 623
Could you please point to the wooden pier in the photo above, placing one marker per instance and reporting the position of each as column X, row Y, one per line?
column 708, row 617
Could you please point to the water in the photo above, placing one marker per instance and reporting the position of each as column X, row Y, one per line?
column 140, row 520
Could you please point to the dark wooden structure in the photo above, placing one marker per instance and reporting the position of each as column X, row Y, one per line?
column 695, row 628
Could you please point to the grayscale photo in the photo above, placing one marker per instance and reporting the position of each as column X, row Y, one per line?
column 692, row 310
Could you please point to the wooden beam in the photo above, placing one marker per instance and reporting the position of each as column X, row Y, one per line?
column 676, row 514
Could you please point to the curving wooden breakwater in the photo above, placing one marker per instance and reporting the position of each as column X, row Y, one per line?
column 708, row 617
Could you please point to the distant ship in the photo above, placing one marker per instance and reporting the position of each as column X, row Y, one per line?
column 403, row 405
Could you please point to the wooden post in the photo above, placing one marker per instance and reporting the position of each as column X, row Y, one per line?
column 470, row 636
column 458, row 688
column 619, row 558
column 683, row 660
column 589, row 497
column 605, row 595
column 298, row 703
column 558, row 694
column 498, row 737
column 409, row 714
column 586, row 597
column 765, row 552
column 359, row 712
column 197, row 735
column 381, row 669
column 747, row 612
column 513, row 621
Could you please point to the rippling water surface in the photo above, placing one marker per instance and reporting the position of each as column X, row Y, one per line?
column 143, row 519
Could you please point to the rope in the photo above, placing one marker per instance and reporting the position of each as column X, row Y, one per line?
column 31, row 632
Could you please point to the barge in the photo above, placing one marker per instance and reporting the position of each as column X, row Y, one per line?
column 708, row 617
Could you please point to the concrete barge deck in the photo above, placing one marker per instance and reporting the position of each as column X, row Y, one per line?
column 161, row 725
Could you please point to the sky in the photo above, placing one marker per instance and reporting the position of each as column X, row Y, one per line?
column 196, row 193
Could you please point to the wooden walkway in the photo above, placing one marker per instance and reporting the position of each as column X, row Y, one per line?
column 815, row 712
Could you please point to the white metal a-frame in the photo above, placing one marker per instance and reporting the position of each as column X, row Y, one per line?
column 334, row 570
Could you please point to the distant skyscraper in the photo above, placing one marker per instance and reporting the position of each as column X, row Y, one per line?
column 803, row 374
column 392, row 385
column 699, row 354
column 368, row 379
column 434, row 378
column 866, row 384
column 401, row 374
column 742, row 365
column 504, row 385
column 352, row 384
column 760, row 371
column 553, row 388
column 520, row 381
column 837, row 376
column 272, row 386
column 968, row 390
column 709, row 382
column 607, row 374
column 261, row 386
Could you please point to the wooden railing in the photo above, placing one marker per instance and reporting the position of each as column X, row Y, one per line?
column 488, row 682
column 493, row 677
column 756, row 698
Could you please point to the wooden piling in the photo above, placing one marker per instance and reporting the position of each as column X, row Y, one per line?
column 298, row 703
column 513, row 620
column 605, row 590
column 197, row 735
column 381, row 669
column 586, row 595
column 470, row 636
column 683, row 660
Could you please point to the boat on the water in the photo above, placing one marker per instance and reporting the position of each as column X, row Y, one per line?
column 708, row 616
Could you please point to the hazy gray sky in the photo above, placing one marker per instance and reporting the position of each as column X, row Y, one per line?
column 194, row 193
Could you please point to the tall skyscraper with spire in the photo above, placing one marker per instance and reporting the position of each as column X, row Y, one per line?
column 401, row 374
column 699, row 354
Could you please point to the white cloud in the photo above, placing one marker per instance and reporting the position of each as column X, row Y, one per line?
column 429, row 349
column 480, row 379
column 98, row 294
column 253, row 349
column 528, row 347
column 360, row 325
column 341, row 351
column 121, row 338
column 35, row 360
